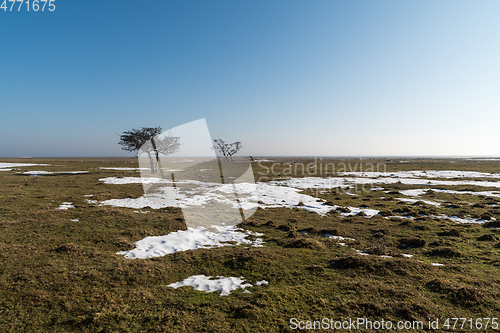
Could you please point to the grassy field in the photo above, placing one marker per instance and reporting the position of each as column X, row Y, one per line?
column 59, row 271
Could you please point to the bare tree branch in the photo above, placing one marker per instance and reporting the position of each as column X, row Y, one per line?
column 148, row 140
column 227, row 149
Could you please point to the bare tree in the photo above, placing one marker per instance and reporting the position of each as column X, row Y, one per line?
column 148, row 140
column 227, row 149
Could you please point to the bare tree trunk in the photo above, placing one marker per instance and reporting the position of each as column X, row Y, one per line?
column 151, row 163
column 158, row 163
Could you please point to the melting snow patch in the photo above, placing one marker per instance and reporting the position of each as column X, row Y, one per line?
column 204, row 283
column 425, row 173
column 333, row 182
column 18, row 165
column 66, row 205
column 436, row 264
column 250, row 196
column 41, row 173
column 38, row 173
column 190, row 239
column 457, row 219
column 120, row 168
column 337, row 237
column 133, row 180
column 260, row 283
column 75, row 220
column 413, row 193
column 419, row 192
column 429, row 202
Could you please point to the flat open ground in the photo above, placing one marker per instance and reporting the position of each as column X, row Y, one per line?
column 399, row 245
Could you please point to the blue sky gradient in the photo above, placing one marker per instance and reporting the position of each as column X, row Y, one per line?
column 327, row 78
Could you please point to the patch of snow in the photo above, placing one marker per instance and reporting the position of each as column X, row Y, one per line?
column 120, row 168
column 38, row 173
column 250, row 196
column 260, row 283
column 407, row 255
column 337, row 237
column 424, row 174
column 345, row 182
column 65, row 205
column 483, row 159
column 41, row 173
column 204, row 283
column 75, row 220
column 457, row 219
column 419, row 192
column 190, row 239
column 436, row 264
column 18, row 165
column 413, row 193
column 133, row 180
column 429, row 202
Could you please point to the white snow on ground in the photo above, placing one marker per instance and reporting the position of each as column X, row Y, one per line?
column 425, row 173
column 429, row 202
column 265, row 195
column 190, row 239
column 66, row 205
column 337, row 237
column 333, row 182
column 5, row 169
column 419, row 192
column 18, row 165
column 361, row 252
column 414, row 193
column 457, row 219
column 223, row 284
column 41, row 173
column 250, row 196
column 133, row 180
column 122, row 168
column 483, row 159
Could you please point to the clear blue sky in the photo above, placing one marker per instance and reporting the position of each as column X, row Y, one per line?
column 284, row 77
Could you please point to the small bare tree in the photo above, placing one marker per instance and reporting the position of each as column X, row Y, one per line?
column 148, row 140
column 227, row 149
